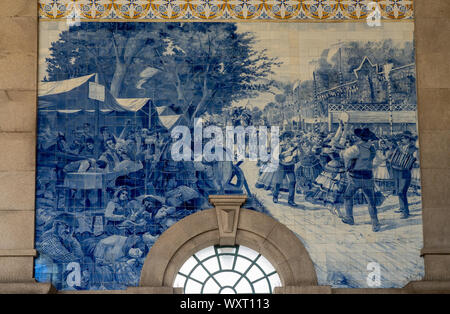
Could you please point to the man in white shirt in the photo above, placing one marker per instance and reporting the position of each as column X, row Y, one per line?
column 359, row 162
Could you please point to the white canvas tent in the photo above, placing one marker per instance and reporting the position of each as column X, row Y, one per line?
column 72, row 95
column 168, row 118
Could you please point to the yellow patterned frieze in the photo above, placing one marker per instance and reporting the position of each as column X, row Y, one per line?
column 283, row 9
column 207, row 9
column 55, row 9
column 93, row 9
column 316, row 10
column 245, row 9
column 132, row 9
column 169, row 9
column 319, row 9
column 396, row 9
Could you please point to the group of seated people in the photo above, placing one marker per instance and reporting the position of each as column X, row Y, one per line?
column 115, row 251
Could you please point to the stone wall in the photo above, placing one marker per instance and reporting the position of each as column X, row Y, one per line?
column 18, row 61
column 432, row 30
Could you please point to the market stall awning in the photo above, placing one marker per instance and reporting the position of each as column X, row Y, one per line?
column 60, row 87
column 72, row 95
column 132, row 104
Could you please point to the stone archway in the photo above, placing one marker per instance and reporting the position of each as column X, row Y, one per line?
column 229, row 224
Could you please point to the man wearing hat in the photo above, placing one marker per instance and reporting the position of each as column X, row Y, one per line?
column 286, row 168
column 358, row 161
column 401, row 162
column 58, row 242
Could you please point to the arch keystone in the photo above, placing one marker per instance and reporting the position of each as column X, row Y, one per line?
column 227, row 211
column 227, row 224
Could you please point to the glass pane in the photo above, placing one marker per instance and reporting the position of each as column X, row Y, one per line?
column 275, row 281
column 192, row 287
column 230, row 250
column 188, row 265
column 245, row 251
column 242, row 264
column 244, row 286
column 226, row 261
column 179, row 281
column 227, row 291
column 261, row 286
column 265, row 265
column 209, row 251
column 199, row 273
column 211, row 286
column 227, row 278
column 211, row 264
column 254, row 273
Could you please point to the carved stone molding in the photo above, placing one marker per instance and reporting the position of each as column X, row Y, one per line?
column 303, row 290
column 231, row 225
column 435, row 251
column 154, row 290
column 227, row 210
column 31, row 287
column 18, row 253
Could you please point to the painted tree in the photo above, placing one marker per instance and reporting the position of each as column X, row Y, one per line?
column 109, row 49
column 194, row 67
column 334, row 62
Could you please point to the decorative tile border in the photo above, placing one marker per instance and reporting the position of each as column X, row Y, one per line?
column 321, row 10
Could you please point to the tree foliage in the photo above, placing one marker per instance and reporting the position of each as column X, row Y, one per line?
column 194, row 67
column 351, row 54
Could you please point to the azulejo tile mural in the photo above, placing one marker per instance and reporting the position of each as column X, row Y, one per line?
column 226, row 9
column 139, row 122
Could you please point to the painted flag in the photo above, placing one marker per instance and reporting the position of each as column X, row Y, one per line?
column 145, row 75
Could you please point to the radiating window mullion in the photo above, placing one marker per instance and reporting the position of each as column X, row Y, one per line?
column 218, row 257
column 247, row 270
column 236, row 282
column 193, row 279
column 188, row 277
column 236, row 254
column 264, row 273
column 259, row 279
column 207, row 271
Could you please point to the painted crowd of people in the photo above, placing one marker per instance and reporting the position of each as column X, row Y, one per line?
column 144, row 192
column 342, row 168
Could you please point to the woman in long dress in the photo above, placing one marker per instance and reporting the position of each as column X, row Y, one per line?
column 308, row 168
column 266, row 179
column 381, row 174
column 329, row 187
